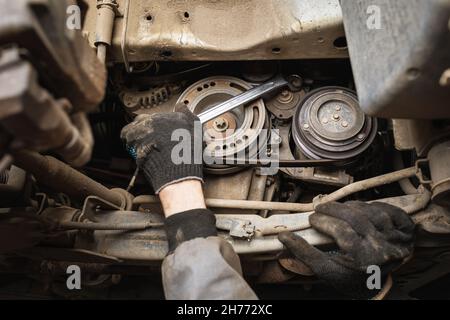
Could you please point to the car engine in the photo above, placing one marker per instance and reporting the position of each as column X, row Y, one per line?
column 302, row 131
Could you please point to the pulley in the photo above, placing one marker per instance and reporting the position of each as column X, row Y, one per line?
column 239, row 131
column 329, row 124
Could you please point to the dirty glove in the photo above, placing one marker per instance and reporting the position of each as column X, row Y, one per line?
column 367, row 234
column 149, row 140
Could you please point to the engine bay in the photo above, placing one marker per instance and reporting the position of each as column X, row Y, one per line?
column 268, row 162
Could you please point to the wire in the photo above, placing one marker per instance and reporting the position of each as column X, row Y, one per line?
column 133, row 179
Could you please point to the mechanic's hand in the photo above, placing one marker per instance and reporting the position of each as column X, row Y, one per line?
column 367, row 234
column 149, row 140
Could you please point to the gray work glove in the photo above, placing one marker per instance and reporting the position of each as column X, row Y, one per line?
column 149, row 140
column 367, row 234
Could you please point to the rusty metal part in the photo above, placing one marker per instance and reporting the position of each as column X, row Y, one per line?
column 271, row 244
column 263, row 226
column 300, row 207
column 60, row 177
column 412, row 203
column 57, row 253
column 238, row 204
column 439, row 159
column 434, row 219
column 239, row 129
column 285, row 104
column 151, row 244
column 108, row 226
column 285, row 163
column 135, row 100
column 243, row 185
column 33, row 117
column 333, row 174
column 406, row 185
column 106, row 14
column 418, row 135
column 64, row 60
column 254, row 225
column 117, row 243
column 195, row 30
column 329, row 124
column 368, row 184
column 15, row 189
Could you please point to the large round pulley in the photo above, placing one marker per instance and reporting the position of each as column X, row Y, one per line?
column 329, row 124
column 237, row 132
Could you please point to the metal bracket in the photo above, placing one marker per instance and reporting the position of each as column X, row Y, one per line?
column 92, row 204
column 242, row 229
column 420, row 164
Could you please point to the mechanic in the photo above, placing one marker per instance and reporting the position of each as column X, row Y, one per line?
column 200, row 265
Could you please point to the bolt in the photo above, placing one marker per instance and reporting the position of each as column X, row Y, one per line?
column 345, row 124
column 220, row 124
column 324, row 120
column 361, row 136
column 286, row 97
column 338, row 108
column 336, row 117
column 306, row 126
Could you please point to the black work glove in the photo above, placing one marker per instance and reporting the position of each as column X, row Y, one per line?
column 367, row 234
column 149, row 140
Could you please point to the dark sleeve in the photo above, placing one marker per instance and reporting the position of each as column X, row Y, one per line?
column 205, row 269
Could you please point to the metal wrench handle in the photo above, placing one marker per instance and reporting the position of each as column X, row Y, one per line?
column 243, row 99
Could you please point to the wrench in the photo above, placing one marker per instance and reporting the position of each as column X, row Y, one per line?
column 294, row 83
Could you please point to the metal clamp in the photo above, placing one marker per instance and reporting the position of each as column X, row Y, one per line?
column 92, row 203
column 419, row 172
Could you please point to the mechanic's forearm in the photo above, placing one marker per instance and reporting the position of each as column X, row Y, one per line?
column 181, row 197
column 200, row 265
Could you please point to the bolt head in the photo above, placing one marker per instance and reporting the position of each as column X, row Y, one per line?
column 361, row 136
